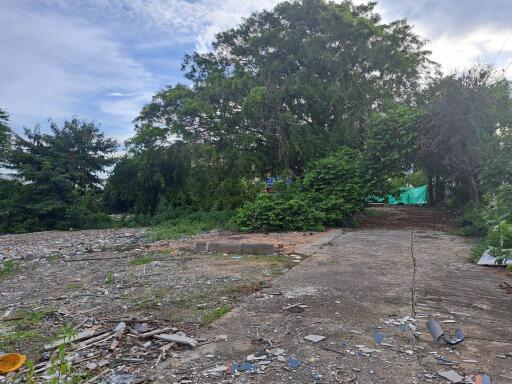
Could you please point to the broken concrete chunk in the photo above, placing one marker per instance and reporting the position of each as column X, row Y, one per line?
column 451, row 376
column 314, row 338
column 276, row 351
column 180, row 339
column 221, row 337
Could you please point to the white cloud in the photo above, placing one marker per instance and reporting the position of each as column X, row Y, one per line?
column 184, row 21
column 54, row 66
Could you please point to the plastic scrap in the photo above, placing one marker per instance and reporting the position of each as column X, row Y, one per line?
column 293, row 363
column 11, row 362
column 482, row 378
column 435, row 329
column 248, row 367
column 378, row 337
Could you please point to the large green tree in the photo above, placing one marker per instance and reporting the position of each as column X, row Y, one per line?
column 284, row 88
column 465, row 134
column 56, row 175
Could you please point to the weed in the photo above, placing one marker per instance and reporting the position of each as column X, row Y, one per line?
column 7, row 268
column 211, row 316
column 110, row 279
column 53, row 259
column 141, row 260
column 62, row 370
column 509, row 267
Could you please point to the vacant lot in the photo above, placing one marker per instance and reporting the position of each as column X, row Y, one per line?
column 346, row 285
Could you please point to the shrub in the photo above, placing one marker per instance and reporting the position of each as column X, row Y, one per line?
column 472, row 220
column 331, row 191
column 280, row 211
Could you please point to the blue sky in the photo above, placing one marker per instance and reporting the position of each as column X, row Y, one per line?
column 102, row 60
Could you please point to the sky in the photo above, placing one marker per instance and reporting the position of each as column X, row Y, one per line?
column 102, row 60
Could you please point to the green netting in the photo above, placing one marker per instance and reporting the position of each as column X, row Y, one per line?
column 411, row 196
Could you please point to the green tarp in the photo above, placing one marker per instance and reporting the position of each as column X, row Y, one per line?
column 409, row 196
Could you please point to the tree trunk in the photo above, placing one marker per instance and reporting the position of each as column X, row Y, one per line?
column 430, row 189
column 473, row 189
column 440, row 191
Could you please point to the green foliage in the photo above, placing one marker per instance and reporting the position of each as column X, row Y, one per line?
column 472, row 222
column 279, row 211
column 62, row 370
column 390, row 147
column 173, row 223
column 494, row 221
column 332, row 190
column 283, row 89
column 56, row 178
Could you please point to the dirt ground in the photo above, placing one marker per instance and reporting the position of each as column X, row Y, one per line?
column 352, row 286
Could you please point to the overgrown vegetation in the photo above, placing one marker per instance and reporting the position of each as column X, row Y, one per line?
column 175, row 223
column 331, row 190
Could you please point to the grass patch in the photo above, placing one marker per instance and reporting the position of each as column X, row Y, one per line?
column 210, row 316
column 189, row 224
column 141, row 260
column 22, row 330
column 9, row 267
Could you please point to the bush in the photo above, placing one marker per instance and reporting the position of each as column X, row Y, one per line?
column 493, row 221
column 331, row 191
column 280, row 211
column 472, row 221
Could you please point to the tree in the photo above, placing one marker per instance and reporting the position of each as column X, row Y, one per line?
column 391, row 146
column 283, row 89
column 5, row 134
column 292, row 84
column 58, row 173
column 465, row 127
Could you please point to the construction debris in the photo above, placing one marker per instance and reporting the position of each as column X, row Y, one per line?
column 492, row 261
column 451, row 376
column 314, row 338
column 438, row 334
